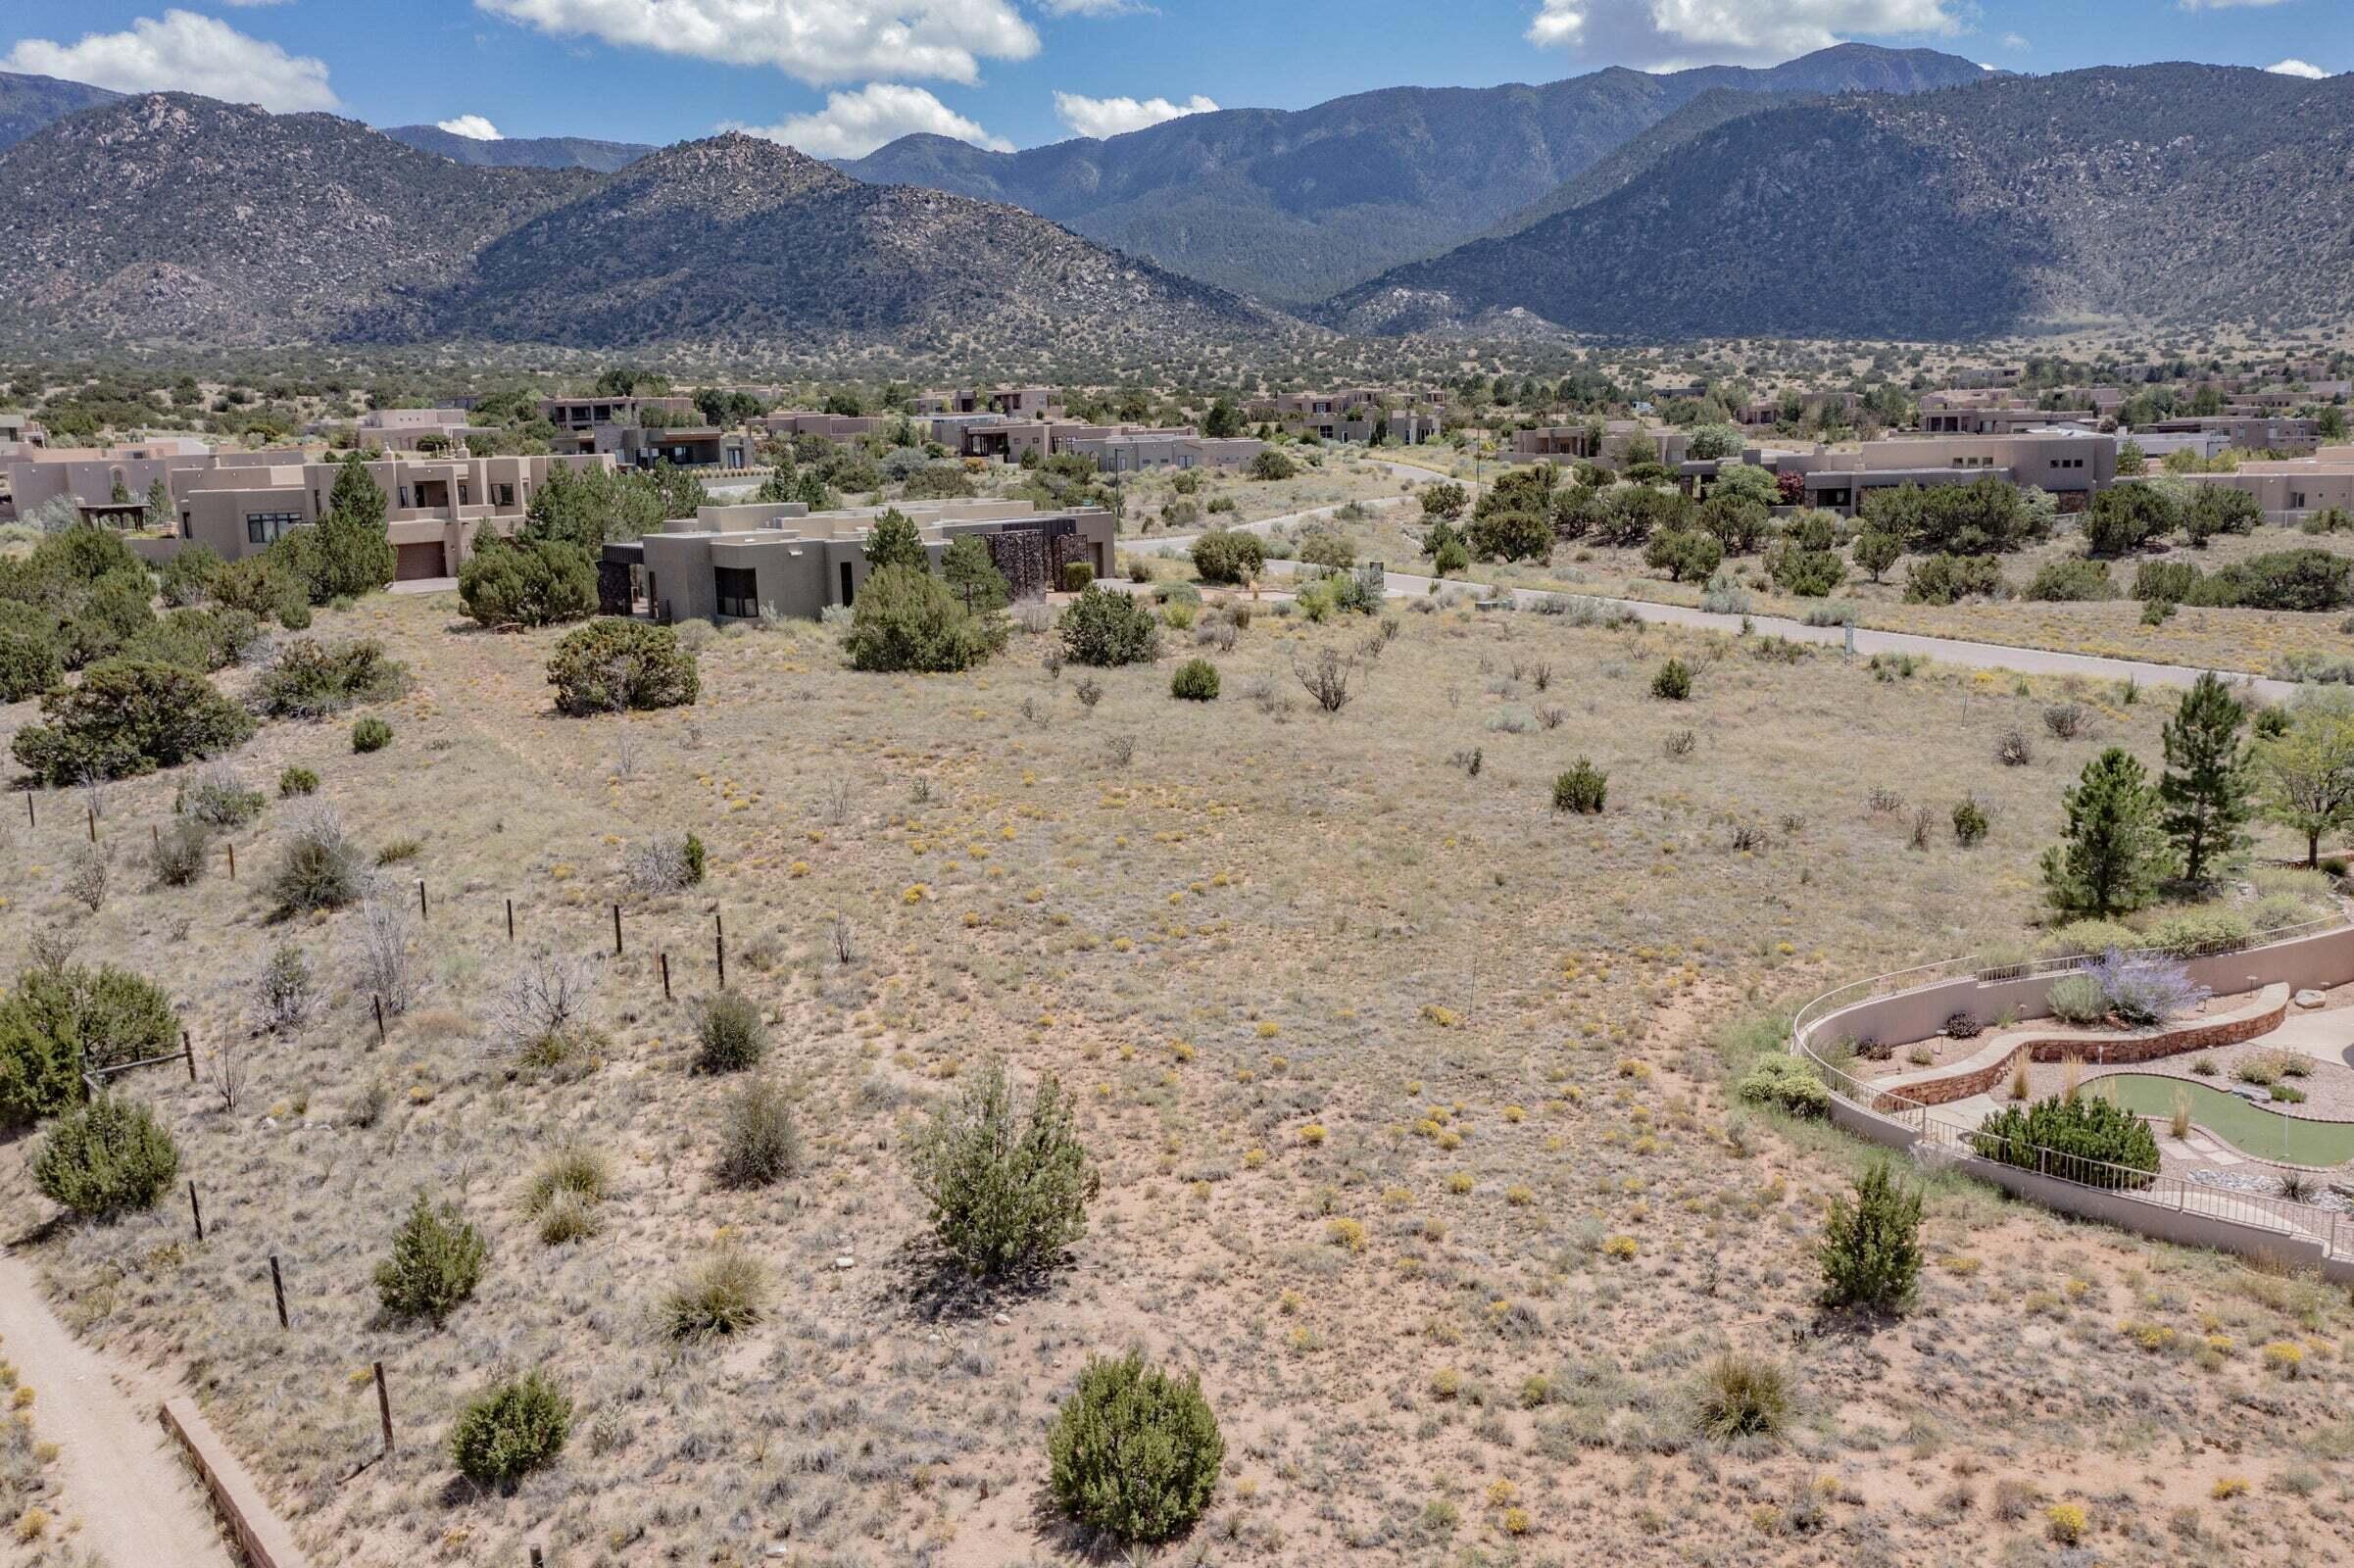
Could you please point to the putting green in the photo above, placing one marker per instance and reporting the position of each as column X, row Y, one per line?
column 2248, row 1128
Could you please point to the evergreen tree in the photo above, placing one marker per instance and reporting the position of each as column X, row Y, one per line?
column 356, row 497
column 2205, row 787
column 2115, row 851
column 159, row 514
column 1222, row 421
column 2309, row 777
column 1871, row 1252
column 894, row 542
column 1877, row 552
column 972, row 575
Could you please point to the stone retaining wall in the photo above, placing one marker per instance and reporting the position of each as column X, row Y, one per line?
column 1978, row 1073
column 258, row 1536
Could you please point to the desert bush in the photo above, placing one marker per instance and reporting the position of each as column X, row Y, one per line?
column 1272, row 464
column 1133, row 1452
column 1076, row 576
column 2078, row 999
column 1196, row 681
column 2164, row 581
column 2145, row 988
column 311, row 679
column 758, row 1143
column 729, row 1035
column 1969, row 821
column 906, row 619
column 2088, row 937
column 1327, row 678
column 2090, row 1139
column 319, row 867
column 1786, row 1083
column 1229, row 555
column 285, row 993
column 105, row 1159
column 725, row 1293
column 1322, row 546
column 570, row 1169
column 177, row 858
column 1103, row 627
column 510, row 1430
column 1949, row 579
column 527, row 582
column 2014, row 750
column 1672, row 683
column 189, row 575
column 614, row 666
column 2305, row 579
column 660, row 865
column 1582, row 788
column 1007, row 1194
column 2191, row 932
column 217, row 797
column 297, row 781
column 435, row 1264
column 540, row 1017
column 1871, row 1251
column 1740, row 1395
column 29, row 665
column 2072, row 579
column 125, row 718
column 61, row 1015
column 371, row 734
column 263, row 589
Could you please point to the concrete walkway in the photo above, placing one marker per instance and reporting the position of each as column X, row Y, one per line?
column 118, row 1473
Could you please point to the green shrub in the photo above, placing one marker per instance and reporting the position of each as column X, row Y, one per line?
column 263, row 589
column 759, row 1144
column 1684, row 554
column 729, row 1035
column 2072, row 580
column 2126, row 517
column 28, row 666
column 1949, row 579
column 126, row 719
column 1786, row 1083
column 527, row 582
column 2307, row 580
column 319, row 867
column 1196, row 681
column 2078, row 999
column 179, row 856
column 906, row 619
column 1673, row 682
column 2091, row 1140
column 2220, row 508
column 615, row 665
column 1582, row 788
column 1321, row 547
column 510, row 1430
column 695, row 859
column 295, row 782
column 2193, row 932
column 1007, row 1195
column 105, row 1159
column 2088, row 937
column 1970, row 822
column 725, row 1293
column 1076, row 576
column 1133, row 1452
column 1228, row 555
column 1740, row 1395
column 2164, row 581
column 1103, row 627
column 435, row 1264
column 972, row 575
column 371, row 734
column 311, row 679
column 202, row 640
column 1272, row 464
column 58, row 1021
column 189, row 577
column 1871, row 1253
column 218, row 798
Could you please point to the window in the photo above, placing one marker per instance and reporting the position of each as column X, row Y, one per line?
column 266, row 528
column 404, row 498
column 464, row 493
column 2296, row 501
column 739, row 591
column 502, row 495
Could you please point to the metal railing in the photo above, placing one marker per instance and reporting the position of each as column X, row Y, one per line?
column 1949, row 1136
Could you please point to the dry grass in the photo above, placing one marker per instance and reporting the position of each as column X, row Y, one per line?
column 1270, row 920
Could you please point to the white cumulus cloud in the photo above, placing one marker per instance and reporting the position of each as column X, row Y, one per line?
column 182, row 52
column 1111, row 117
column 1091, row 8
column 2297, row 68
column 852, row 125
column 473, row 127
column 1677, row 33
column 816, row 40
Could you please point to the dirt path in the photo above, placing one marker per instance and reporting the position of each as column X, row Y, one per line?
column 118, row 1473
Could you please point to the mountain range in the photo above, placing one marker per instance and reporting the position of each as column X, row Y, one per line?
column 2174, row 193
column 1291, row 205
column 1772, row 203
column 522, row 151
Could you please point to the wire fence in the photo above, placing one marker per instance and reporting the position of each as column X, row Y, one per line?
column 1946, row 1138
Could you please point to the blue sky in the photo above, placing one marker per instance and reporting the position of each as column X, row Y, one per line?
column 838, row 77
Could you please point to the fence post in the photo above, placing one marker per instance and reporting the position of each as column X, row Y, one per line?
column 511, row 919
column 196, row 1212
column 93, row 811
column 617, row 930
column 383, row 1406
column 30, row 819
column 232, row 863
column 187, row 1049
column 277, row 1288
column 423, row 915
column 666, row 961
column 379, row 1001
column 720, row 945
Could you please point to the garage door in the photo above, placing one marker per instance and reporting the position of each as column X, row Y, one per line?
column 412, row 562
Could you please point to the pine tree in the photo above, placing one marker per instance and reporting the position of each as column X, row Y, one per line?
column 894, row 542
column 356, row 497
column 972, row 575
column 159, row 506
column 2206, row 784
column 1871, row 1253
column 2116, row 853
column 2309, row 779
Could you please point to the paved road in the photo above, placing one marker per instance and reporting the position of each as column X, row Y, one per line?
column 118, row 1471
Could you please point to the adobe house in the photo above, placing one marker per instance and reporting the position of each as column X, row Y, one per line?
column 735, row 563
column 2067, row 461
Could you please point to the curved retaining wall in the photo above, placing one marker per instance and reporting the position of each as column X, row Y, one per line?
column 1991, row 1063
